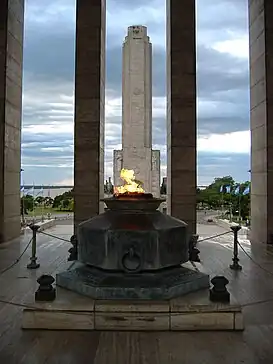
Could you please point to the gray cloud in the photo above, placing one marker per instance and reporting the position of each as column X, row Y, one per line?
column 235, row 165
column 125, row 4
column 220, row 72
column 49, row 80
column 222, row 16
column 54, row 56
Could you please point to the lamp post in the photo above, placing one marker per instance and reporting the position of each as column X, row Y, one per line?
column 230, row 212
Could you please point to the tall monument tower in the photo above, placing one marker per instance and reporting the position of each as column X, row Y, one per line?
column 137, row 153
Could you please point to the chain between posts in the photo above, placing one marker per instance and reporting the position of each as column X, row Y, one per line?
column 54, row 236
column 17, row 260
column 235, row 265
column 214, row 236
column 33, row 259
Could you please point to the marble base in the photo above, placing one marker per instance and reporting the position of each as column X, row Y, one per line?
column 193, row 312
column 164, row 284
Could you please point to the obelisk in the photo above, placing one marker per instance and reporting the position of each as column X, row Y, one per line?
column 137, row 153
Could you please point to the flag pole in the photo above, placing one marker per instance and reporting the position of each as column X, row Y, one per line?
column 239, row 207
column 43, row 203
column 222, row 204
column 48, row 195
column 222, row 197
column 33, row 207
column 230, row 212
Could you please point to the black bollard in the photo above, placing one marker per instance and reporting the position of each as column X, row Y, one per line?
column 193, row 251
column 33, row 259
column 45, row 292
column 74, row 250
column 235, row 265
column 219, row 292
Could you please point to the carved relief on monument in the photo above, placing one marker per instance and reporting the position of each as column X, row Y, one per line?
column 118, row 165
column 155, row 160
column 137, row 91
column 119, row 160
column 135, row 29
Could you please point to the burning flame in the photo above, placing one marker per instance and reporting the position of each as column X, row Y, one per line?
column 131, row 185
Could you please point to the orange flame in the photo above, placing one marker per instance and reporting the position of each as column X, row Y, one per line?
column 130, row 185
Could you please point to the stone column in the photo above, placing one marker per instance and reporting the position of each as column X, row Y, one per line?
column 181, row 111
column 11, row 54
column 137, row 104
column 89, row 108
column 261, row 97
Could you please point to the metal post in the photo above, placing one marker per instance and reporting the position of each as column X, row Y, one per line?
column 33, row 259
column 222, row 205
column 230, row 212
column 235, row 265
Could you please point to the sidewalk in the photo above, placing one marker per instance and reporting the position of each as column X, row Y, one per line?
column 226, row 224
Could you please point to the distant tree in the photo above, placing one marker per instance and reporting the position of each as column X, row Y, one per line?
column 48, row 201
column 212, row 197
column 27, row 204
column 63, row 201
column 57, row 202
column 71, row 204
column 241, row 202
column 40, row 200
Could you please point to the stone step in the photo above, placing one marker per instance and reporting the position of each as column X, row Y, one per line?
column 193, row 312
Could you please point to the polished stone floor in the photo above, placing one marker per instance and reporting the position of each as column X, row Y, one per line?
column 253, row 288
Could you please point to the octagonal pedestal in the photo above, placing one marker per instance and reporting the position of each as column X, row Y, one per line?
column 164, row 284
column 132, row 251
column 132, row 236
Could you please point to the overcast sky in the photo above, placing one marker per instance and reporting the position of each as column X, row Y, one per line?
column 223, row 96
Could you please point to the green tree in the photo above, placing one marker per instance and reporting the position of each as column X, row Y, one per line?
column 241, row 202
column 40, row 200
column 65, row 203
column 57, row 202
column 27, row 204
column 71, row 204
column 211, row 195
column 48, row 201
